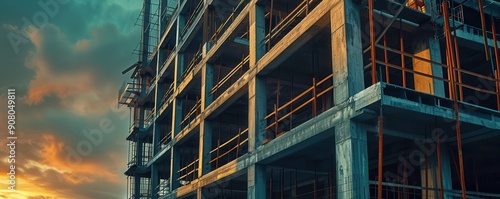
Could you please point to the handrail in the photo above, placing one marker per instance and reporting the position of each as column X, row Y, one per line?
column 168, row 17
column 312, row 100
column 231, row 149
column 231, row 16
column 303, row 6
column 164, row 141
column 191, row 18
column 432, row 62
column 167, row 93
column 189, row 172
column 192, row 111
column 227, row 142
column 149, row 118
column 300, row 95
column 196, row 58
column 230, row 74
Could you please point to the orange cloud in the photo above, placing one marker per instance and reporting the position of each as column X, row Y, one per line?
column 53, row 155
column 45, row 176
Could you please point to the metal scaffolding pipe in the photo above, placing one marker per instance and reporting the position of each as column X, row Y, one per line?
column 440, row 168
column 372, row 40
column 454, row 96
column 483, row 27
column 380, row 153
column 402, row 49
column 497, row 61
column 387, row 79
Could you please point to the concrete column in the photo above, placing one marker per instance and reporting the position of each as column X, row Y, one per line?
column 435, row 53
column 428, row 48
column 437, row 70
column 205, row 147
column 256, row 86
column 137, row 187
column 350, row 137
column 154, row 181
column 179, row 69
column 347, row 55
column 256, row 102
column 176, row 117
column 181, row 22
column 433, row 181
column 137, row 179
column 351, row 160
column 174, row 167
column 256, row 182
column 257, row 32
column 207, row 81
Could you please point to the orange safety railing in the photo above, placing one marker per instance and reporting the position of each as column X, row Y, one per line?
column 293, row 17
column 233, row 144
column 460, row 74
column 311, row 99
column 193, row 112
column 195, row 60
column 240, row 67
column 459, row 79
column 189, row 171
column 223, row 27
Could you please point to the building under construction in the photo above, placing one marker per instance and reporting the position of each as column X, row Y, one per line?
column 315, row 99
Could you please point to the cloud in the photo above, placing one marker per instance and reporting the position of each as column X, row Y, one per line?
column 49, row 175
column 66, row 78
column 83, row 75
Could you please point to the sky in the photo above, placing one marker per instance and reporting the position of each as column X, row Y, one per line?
column 64, row 58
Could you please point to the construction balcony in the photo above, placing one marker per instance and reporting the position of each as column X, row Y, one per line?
column 187, row 151
column 399, row 62
column 128, row 93
column 228, row 134
column 300, row 88
column 282, row 17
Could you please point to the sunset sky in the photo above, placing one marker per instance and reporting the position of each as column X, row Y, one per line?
column 65, row 62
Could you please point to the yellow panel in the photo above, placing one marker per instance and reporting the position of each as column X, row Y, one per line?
column 423, row 83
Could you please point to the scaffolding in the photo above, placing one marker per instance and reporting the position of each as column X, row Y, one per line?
column 455, row 79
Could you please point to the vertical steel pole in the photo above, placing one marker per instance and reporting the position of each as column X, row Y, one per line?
column 454, row 92
column 497, row 61
column 387, row 79
column 402, row 49
column 483, row 27
column 372, row 40
column 440, row 170
column 380, row 154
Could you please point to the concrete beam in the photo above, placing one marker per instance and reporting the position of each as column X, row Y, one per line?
column 316, row 128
